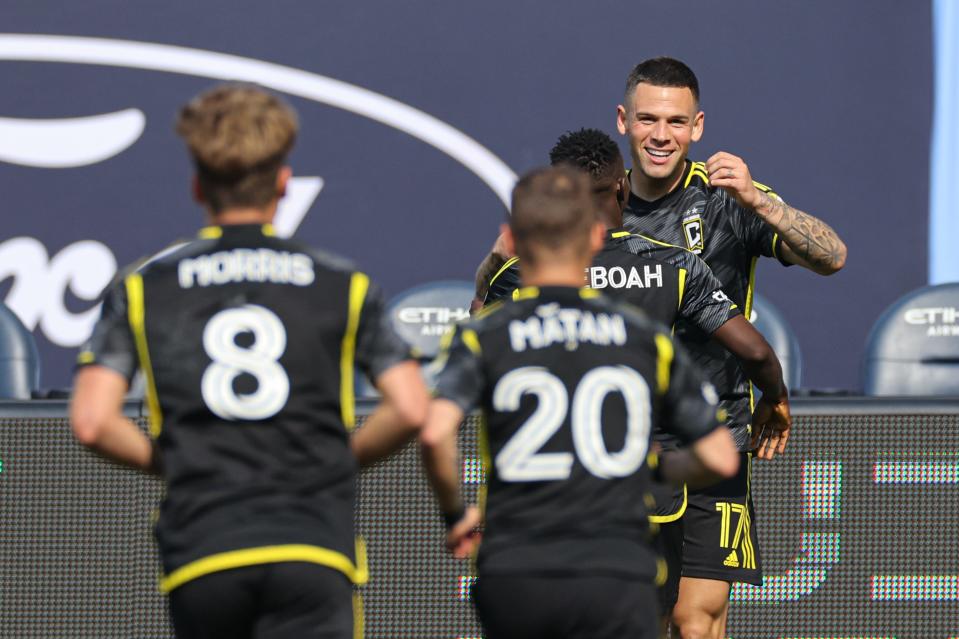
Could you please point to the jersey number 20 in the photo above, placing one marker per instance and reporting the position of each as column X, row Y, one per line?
column 259, row 359
column 519, row 459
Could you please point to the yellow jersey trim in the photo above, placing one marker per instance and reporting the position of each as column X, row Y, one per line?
column 619, row 234
column 664, row 361
column 775, row 238
column 696, row 169
column 268, row 230
column 210, row 233
column 136, row 315
column 682, row 286
column 589, row 293
column 86, row 357
column 487, row 310
column 665, row 519
column 358, row 573
column 508, row 263
column 358, row 620
column 359, row 285
column 526, row 293
column 472, row 341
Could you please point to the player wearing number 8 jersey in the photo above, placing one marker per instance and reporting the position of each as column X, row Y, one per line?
column 249, row 343
column 571, row 384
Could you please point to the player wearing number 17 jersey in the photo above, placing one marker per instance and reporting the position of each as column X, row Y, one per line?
column 248, row 343
column 571, row 385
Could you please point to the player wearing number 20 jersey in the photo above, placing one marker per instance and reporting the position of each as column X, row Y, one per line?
column 248, row 343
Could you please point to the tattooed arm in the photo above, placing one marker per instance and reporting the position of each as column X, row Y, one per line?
column 806, row 240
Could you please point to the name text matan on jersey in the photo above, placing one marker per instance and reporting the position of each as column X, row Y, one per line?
column 552, row 324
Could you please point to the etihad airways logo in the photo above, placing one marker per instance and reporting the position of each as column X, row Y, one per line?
column 42, row 285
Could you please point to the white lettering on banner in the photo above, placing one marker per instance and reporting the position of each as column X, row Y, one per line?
column 932, row 315
column 40, row 285
column 432, row 315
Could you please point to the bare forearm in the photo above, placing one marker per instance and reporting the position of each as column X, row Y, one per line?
column 767, row 376
column 122, row 441
column 383, row 433
column 814, row 242
column 681, row 466
column 441, row 462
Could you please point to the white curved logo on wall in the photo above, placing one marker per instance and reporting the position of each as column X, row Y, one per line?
column 84, row 268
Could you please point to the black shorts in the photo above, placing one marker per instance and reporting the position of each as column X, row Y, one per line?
column 268, row 601
column 669, row 544
column 720, row 531
column 587, row 606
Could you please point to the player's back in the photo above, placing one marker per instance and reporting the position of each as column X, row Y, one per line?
column 574, row 386
column 249, row 337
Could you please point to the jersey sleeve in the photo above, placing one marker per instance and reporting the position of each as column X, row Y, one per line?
column 378, row 346
column 690, row 401
column 702, row 301
column 460, row 375
column 502, row 285
column 758, row 237
column 111, row 344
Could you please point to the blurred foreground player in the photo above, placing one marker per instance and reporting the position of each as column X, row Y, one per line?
column 671, row 285
column 572, row 385
column 248, row 343
column 716, row 210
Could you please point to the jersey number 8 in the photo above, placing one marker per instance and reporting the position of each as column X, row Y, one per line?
column 259, row 359
column 519, row 460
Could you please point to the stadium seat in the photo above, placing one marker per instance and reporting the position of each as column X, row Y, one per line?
column 773, row 325
column 422, row 315
column 19, row 359
column 913, row 348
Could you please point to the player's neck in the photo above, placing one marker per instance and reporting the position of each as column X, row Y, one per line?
column 611, row 219
column 553, row 274
column 230, row 217
column 651, row 189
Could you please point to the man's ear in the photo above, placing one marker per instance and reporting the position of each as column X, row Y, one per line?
column 196, row 191
column 621, row 119
column 282, row 179
column 509, row 242
column 698, row 126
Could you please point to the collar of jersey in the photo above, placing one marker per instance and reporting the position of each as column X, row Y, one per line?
column 214, row 232
column 636, row 202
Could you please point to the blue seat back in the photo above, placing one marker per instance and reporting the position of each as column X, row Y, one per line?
column 913, row 348
column 19, row 359
column 769, row 321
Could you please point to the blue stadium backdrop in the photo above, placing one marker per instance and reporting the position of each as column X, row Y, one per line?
column 417, row 115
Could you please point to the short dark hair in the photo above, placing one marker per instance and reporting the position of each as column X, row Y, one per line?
column 239, row 136
column 552, row 211
column 662, row 72
column 589, row 150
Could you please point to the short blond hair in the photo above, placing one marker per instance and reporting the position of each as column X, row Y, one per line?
column 239, row 136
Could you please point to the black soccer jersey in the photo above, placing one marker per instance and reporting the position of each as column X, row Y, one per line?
column 665, row 281
column 730, row 239
column 571, row 384
column 248, row 343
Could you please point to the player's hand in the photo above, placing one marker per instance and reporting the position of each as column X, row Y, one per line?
column 464, row 536
column 731, row 174
column 771, row 426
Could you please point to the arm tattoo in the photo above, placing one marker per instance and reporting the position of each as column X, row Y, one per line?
column 809, row 237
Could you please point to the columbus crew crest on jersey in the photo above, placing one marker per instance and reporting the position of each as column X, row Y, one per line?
column 693, row 230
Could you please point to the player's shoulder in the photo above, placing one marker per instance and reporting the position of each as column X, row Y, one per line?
column 672, row 254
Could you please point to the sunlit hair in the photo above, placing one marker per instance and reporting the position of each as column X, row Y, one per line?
column 239, row 136
column 552, row 214
column 662, row 72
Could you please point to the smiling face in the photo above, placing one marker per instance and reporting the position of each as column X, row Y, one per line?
column 660, row 122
